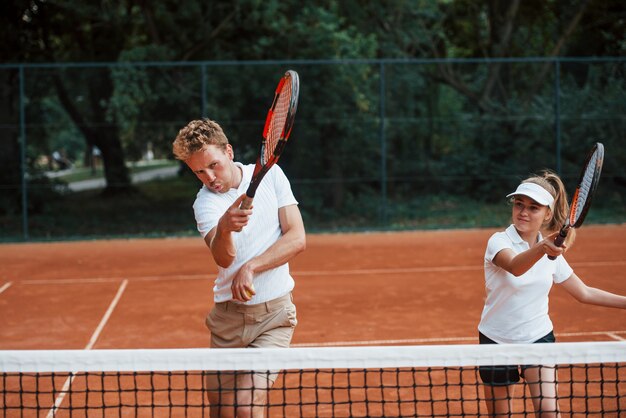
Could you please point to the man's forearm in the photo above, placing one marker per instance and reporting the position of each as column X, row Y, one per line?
column 222, row 248
column 283, row 250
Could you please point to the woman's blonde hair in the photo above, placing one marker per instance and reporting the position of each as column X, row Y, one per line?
column 550, row 181
column 196, row 135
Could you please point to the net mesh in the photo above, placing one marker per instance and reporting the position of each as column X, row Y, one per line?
column 314, row 382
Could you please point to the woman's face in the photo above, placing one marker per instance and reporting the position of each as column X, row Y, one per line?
column 528, row 215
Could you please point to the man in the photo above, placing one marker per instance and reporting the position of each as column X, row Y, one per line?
column 252, row 292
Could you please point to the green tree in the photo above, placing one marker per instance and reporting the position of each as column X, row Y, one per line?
column 69, row 32
column 460, row 119
column 13, row 30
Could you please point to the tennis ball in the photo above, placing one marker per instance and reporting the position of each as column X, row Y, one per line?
column 251, row 292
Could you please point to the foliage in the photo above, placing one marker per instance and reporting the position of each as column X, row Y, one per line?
column 131, row 74
column 163, row 208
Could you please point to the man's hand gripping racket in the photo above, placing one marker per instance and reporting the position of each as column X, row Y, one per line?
column 276, row 132
column 581, row 200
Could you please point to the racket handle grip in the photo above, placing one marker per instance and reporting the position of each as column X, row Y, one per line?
column 558, row 241
column 247, row 203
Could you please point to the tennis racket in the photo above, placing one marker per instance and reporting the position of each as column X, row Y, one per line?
column 276, row 132
column 581, row 200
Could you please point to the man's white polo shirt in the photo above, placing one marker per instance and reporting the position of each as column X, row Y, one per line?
column 262, row 231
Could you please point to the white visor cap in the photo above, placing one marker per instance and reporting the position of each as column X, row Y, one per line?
column 535, row 192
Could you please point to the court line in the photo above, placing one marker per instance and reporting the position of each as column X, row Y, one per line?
column 117, row 279
column 6, row 286
column 209, row 275
column 107, row 315
column 436, row 269
column 89, row 346
column 386, row 271
column 383, row 342
column 612, row 334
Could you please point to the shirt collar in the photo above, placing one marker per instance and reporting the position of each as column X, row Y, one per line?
column 515, row 237
column 246, row 177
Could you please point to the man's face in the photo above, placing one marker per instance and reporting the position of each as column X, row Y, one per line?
column 214, row 167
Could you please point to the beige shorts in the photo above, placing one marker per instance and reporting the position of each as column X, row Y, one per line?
column 235, row 325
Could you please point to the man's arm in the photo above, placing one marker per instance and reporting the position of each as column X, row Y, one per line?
column 220, row 238
column 291, row 243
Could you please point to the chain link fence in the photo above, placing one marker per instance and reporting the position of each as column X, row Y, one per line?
column 377, row 144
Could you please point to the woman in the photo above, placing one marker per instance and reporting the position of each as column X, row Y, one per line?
column 518, row 278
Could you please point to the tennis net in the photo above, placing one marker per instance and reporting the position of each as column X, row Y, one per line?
column 384, row 381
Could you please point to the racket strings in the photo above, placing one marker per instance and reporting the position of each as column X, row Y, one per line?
column 584, row 189
column 279, row 118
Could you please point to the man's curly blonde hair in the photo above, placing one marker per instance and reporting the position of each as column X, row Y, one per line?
column 197, row 135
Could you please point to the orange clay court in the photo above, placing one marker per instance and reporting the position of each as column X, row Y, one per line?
column 417, row 287
column 401, row 288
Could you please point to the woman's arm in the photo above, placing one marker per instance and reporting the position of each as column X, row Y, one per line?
column 591, row 295
column 518, row 264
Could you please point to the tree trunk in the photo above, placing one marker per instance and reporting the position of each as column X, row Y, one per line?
column 115, row 170
column 10, row 168
column 332, row 166
column 98, row 131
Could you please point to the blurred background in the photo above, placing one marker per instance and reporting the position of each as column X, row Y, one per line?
column 412, row 114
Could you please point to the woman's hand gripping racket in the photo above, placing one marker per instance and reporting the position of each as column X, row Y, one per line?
column 581, row 200
column 278, row 126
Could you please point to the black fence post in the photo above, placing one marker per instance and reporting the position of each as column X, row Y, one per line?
column 22, row 102
column 557, row 113
column 383, row 147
